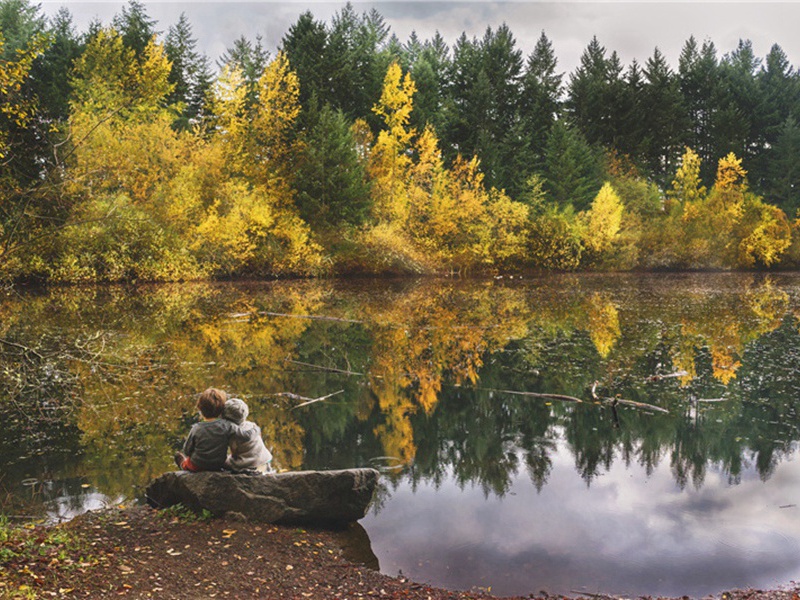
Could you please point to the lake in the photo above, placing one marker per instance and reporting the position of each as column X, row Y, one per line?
column 624, row 434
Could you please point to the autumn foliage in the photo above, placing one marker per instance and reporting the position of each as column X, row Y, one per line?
column 240, row 188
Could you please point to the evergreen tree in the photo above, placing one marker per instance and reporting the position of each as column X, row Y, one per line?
column 780, row 89
column 663, row 111
column 190, row 73
column 783, row 174
column 540, row 99
column 135, row 26
column 631, row 139
column 20, row 22
column 306, row 47
column 354, row 63
column 51, row 71
column 430, row 64
column 699, row 77
column 737, row 124
column 330, row 179
column 596, row 96
column 249, row 57
column 573, row 173
column 484, row 92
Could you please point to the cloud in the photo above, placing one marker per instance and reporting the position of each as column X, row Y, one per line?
column 633, row 29
column 628, row 533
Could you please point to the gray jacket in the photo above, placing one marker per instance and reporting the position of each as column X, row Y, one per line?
column 247, row 449
column 207, row 443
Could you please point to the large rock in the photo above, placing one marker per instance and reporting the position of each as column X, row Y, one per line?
column 299, row 497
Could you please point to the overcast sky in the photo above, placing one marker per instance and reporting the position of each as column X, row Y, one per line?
column 633, row 29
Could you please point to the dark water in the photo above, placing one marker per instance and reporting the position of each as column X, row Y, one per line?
column 482, row 486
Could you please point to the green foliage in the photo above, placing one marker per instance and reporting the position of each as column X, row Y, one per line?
column 185, row 515
column 572, row 168
column 30, row 546
column 331, row 180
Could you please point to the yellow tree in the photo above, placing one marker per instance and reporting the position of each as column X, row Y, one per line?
column 390, row 160
column 123, row 155
column 16, row 111
column 250, row 224
column 687, row 185
column 602, row 224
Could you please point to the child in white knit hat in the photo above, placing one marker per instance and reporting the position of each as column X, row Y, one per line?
column 248, row 452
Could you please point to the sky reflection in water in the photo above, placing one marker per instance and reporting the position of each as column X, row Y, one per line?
column 628, row 533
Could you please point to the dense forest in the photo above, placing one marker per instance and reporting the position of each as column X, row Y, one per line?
column 127, row 155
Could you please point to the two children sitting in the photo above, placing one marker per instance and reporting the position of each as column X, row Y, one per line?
column 223, row 426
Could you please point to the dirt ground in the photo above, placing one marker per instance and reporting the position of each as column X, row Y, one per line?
column 139, row 552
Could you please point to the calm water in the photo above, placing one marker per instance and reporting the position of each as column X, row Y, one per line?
column 446, row 387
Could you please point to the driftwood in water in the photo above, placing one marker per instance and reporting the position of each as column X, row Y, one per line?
column 615, row 401
column 307, row 401
column 321, row 368
column 561, row 397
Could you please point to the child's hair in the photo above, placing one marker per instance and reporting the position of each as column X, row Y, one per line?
column 235, row 411
column 211, row 402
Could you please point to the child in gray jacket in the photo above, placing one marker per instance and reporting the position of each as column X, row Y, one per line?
column 248, row 451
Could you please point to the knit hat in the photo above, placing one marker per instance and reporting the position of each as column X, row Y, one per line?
column 235, row 410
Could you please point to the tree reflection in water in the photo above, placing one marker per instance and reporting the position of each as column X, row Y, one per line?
column 109, row 374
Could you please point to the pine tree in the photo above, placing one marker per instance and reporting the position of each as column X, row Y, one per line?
column 737, row 125
column 699, row 76
column 661, row 100
column 306, row 47
column 330, row 180
column 780, row 89
column 783, row 175
column 540, row 99
column 572, row 168
column 135, row 26
column 190, row 72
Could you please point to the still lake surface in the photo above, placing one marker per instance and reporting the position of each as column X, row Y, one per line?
column 687, row 483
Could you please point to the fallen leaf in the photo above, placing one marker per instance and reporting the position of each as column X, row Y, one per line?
column 289, row 567
column 226, row 533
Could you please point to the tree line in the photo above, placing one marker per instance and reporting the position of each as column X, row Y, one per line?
column 127, row 155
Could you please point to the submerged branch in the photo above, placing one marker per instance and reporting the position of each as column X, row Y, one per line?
column 615, row 401
column 321, row 368
column 287, row 315
column 534, row 395
column 306, row 401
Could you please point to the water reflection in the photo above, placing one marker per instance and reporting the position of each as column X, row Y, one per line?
column 98, row 386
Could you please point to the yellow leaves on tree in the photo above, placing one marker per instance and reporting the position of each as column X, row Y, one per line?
column 396, row 103
column 250, row 225
column 419, row 204
column 730, row 227
column 109, row 78
column 14, row 107
column 603, row 221
column 192, row 203
column 390, row 161
column 687, row 185
column 730, row 174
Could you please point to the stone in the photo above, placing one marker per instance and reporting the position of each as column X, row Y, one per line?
column 300, row 497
